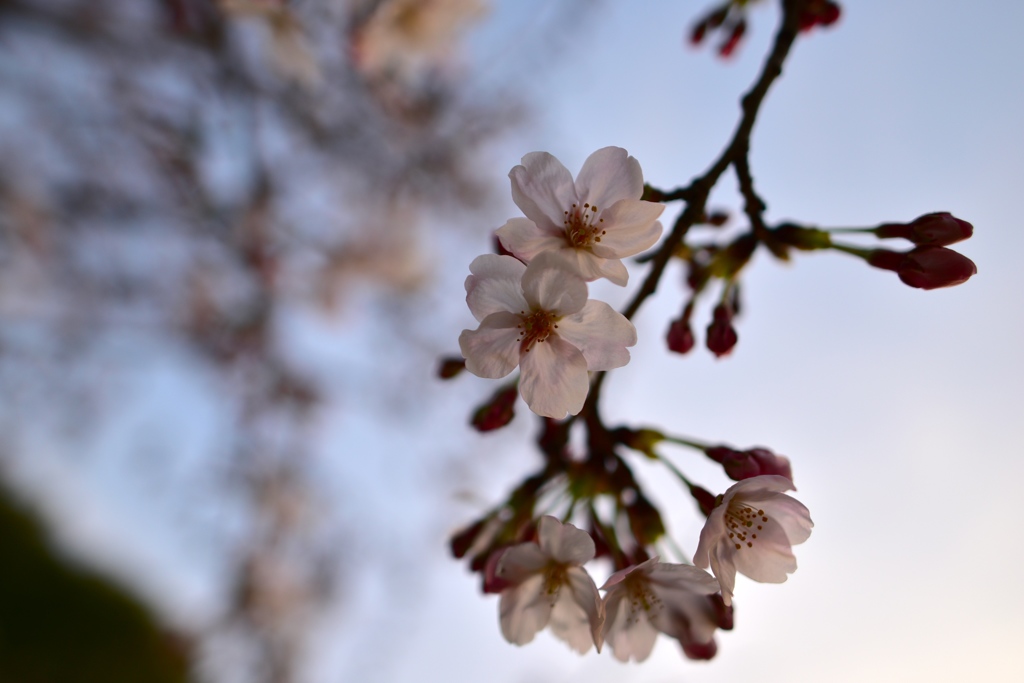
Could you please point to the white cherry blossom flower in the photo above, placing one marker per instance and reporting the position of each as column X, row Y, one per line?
column 538, row 317
column 593, row 222
column 654, row 596
column 549, row 587
column 753, row 531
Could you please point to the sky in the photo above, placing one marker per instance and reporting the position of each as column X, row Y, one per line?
column 900, row 409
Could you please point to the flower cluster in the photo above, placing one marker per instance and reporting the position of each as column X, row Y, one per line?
column 532, row 305
column 543, row 582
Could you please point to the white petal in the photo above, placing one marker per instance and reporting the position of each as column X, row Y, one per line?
column 601, row 333
column 550, row 284
column 542, row 187
column 492, row 350
column 724, row 569
column 575, row 617
column 620, row 575
column 495, row 285
column 554, row 378
column 791, row 515
column 564, row 543
column 713, row 531
column 520, row 562
column 524, row 610
column 632, row 636
column 630, row 227
column 669, row 579
column 768, row 561
column 523, row 238
column 608, row 176
column 591, row 267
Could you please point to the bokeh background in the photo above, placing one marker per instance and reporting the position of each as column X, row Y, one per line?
column 233, row 238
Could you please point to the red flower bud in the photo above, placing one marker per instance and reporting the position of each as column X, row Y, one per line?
column 932, row 229
column 754, row 462
column 450, row 367
column 680, row 336
column 498, row 411
column 464, row 540
column 721, row 336
column 729, row 46
column 926, row 267
column 705, row 499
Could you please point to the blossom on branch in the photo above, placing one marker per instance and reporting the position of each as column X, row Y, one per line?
column 547, row 586
column 539, row 318
column 753, row 530
column 593, row 222
column 654, row 596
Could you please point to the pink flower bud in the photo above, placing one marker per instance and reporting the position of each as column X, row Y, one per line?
column 926, row 267
column 464, row 540
column 721, row 336
column 932, row 229
column 729, row 46
column 705, row 499
column 498, row 411
column 754, row 462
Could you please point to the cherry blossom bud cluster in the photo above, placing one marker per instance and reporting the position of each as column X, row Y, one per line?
column 532, row 300
column 730, row 20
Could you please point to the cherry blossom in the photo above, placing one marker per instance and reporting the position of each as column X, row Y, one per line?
column 593, row 222
column 549, row 587
column 752, row 531
column 538, row 317
column 654, row 596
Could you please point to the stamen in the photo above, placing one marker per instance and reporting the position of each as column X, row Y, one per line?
column 535, row 328
column 738, row 518
column 580, row 229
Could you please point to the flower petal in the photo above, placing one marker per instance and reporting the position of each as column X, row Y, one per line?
column 770, row 560
column 671, row 578
column 520, row 562
column 631, row 635
column 724, row 569
column 609, row 175
column 576, row 616
column 495, row 285
column 714, row 529
column 630, row 227
column 523, row 238
column 524, row 610
column 492, row 350
column 543, row 189
column 564, row 543
column 550, row 284
column 591, row 267
column 601, row 333
column 554, row 378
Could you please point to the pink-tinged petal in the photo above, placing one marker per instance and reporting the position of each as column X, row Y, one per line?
column 492, row 350
column 495, row 285
column 671, row 579
column 630, row 227
column 608, row 176
column 564, row 543
column 591, row 267
column 792, row 516
column 554, row 378
column 618, row 576
column 714, row 529
column 520, row 562
column 724, row 569
column 543, row 189
column 766, row 563
column 523, row 238
column 576, row 617
column 612, row 269
column 631, row 635
column 759, row 484
column 601, row 333
column 550, row 284
column 524, row 610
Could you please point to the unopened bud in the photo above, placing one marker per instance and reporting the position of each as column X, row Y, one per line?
column 754, row 462
column 680, row 336
column 492, row 582
column 721, row 335
column 462, row 541
column 926, row 267
column 498, row 411
column 450, row 367
column 932, row 229
column 706, row 501
column 729, row 46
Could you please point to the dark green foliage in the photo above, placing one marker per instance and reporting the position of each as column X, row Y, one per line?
column 60, row 623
